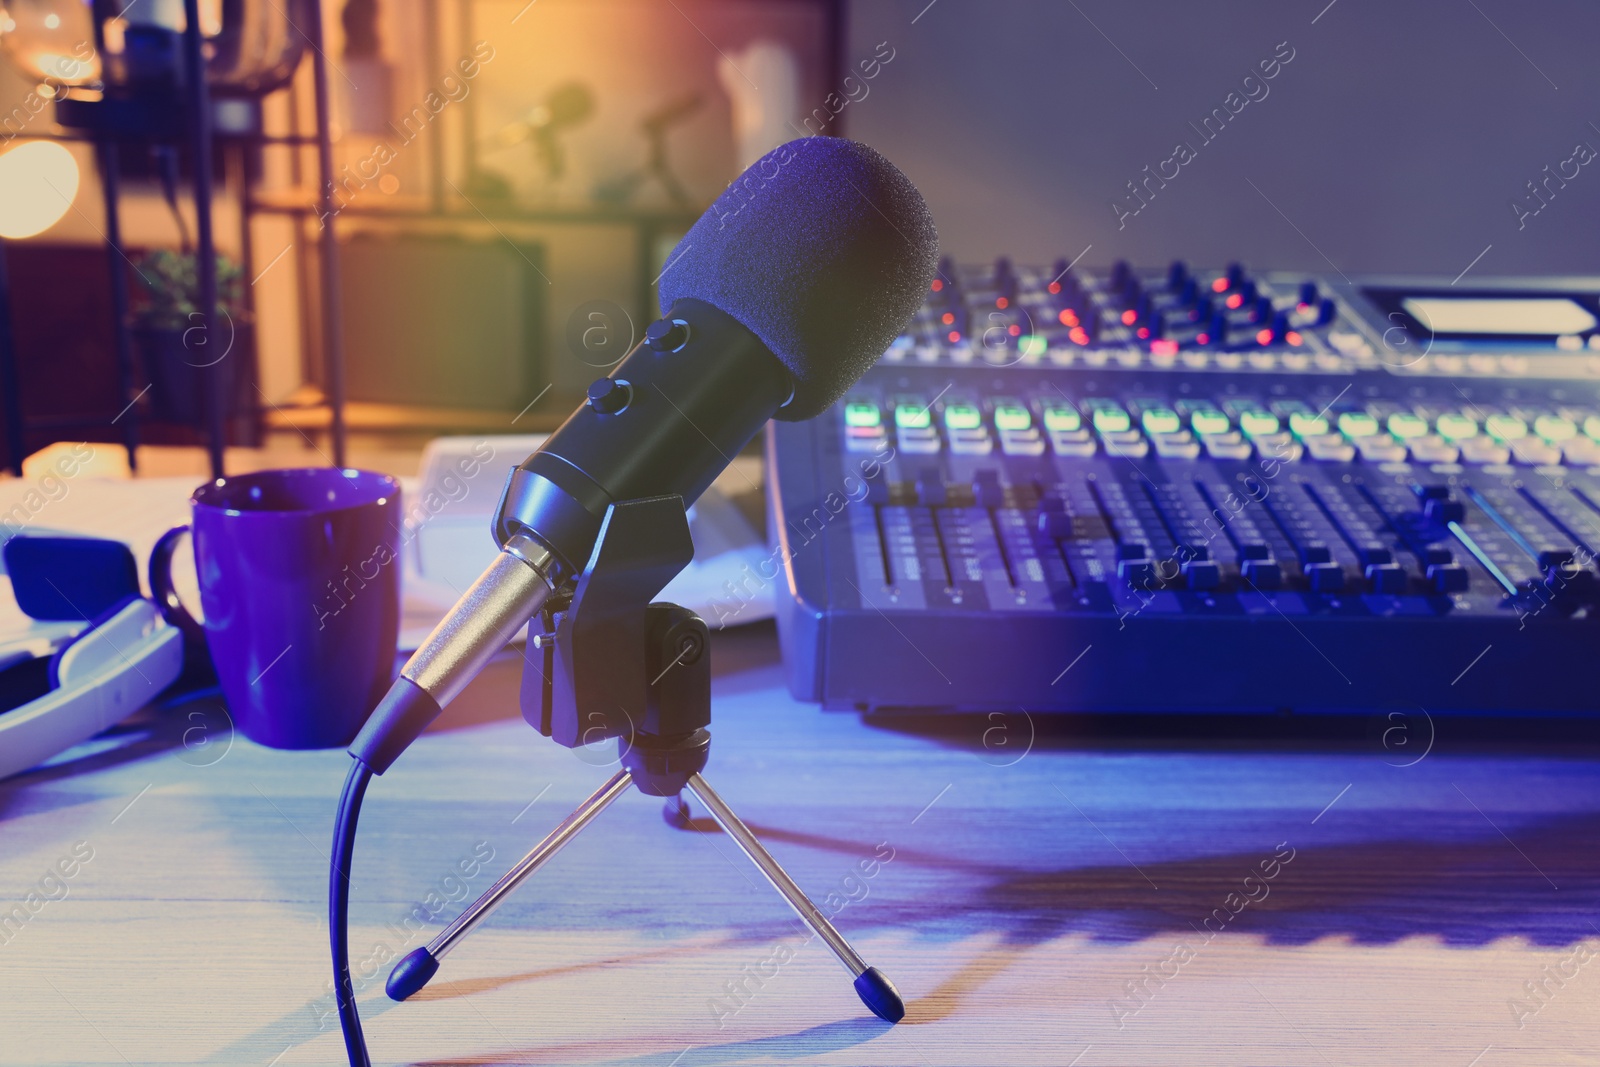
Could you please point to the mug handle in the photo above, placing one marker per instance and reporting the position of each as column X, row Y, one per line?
column 161, row 589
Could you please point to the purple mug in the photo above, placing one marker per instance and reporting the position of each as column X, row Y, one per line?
column 299, row 575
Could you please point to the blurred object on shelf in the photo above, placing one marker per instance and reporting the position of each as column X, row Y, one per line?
column 367, row 87
column 444, row 321
column 51, row 41
column 175, row 350
column 655, row 127
column 763, row 86
column 568, row 104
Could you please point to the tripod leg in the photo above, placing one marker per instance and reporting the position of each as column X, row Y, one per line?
column 414, row 971
column 875, row 990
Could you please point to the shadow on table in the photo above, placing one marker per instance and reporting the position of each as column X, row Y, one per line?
column 195, row 724
column 1388, row 734
column 1453, row 878
column 814, row 1041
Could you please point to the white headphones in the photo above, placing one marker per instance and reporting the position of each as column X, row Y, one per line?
column 96, row 652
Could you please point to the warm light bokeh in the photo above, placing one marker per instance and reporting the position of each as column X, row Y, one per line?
column 38, row 182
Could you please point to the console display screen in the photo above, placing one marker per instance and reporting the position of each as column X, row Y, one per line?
column 1554, row 321
column 1499, row 316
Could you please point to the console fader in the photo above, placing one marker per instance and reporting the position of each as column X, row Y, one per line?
column 1185, row 490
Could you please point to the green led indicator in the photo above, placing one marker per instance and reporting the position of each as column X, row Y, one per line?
column 861, row 413
column 912, row 417
column 1160, row 420
column 1065, row 420
column 1258, row 422
column 1591, row 426
column 1209, row 421
column 1032, row 345
column 1455, row 427
column 1506, row 427
column 1111, row 420
column 962, row 417
column 1404, row 424
column 1305, row 425
column 1357, row 424
column 1554, row 428
column 1011, row 417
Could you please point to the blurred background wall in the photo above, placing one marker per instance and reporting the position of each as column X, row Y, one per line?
column 1390, row 137
column 1394, row 140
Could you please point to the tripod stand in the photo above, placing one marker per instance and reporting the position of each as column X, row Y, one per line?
column 643, row 671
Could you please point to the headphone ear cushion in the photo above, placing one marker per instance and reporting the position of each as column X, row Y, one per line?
column 66, row 578
column 99, row 620
column 25, row 681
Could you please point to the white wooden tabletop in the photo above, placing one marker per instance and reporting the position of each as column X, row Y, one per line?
column 1047, row 900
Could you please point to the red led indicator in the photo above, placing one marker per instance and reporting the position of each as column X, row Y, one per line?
column 1263, row 337
column 1218, row 286
column 1078, row 335
column 954, row 336
column 1293, row 337
column 949, row 317
column 1014, row 330
column 1235, row 300
column 1129, row 317
column 1068, row 317
column 1163, row 348
column 938, row 284
column 1054, row 288
column 1203, row 338
column 1144, row 332
column 1002, row 303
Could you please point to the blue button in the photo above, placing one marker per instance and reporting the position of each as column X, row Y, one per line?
column 1448, row 577
column 1325, row 577
column 1137, row 572
column 1386, row 578
column 1315, row 553
column 1262, row 573
column 1056, row 524
column 1202, row 574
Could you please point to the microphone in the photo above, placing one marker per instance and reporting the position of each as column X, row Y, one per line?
column 776, row 301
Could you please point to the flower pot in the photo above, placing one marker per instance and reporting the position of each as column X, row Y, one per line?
column 179, row 368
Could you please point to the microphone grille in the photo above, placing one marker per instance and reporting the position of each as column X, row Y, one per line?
column 824, row 250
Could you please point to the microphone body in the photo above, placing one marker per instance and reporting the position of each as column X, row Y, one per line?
column 677, row 410
column 780, row 297
column 665, row 422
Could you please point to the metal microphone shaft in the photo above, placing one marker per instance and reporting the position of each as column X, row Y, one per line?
column 483, row 621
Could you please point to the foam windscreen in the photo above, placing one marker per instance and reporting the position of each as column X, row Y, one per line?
column 824, row 250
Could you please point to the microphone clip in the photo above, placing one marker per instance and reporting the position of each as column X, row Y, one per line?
column 615, row 665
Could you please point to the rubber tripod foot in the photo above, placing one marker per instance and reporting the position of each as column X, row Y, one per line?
column 676, row 813
column 413, row 972
column 875, row 991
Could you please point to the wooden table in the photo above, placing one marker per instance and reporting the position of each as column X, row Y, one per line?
column 1047, row 900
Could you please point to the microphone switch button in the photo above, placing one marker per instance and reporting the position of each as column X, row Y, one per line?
column 609, row 396
column 666, row 335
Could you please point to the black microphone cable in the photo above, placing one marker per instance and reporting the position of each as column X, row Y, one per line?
column 344, row 846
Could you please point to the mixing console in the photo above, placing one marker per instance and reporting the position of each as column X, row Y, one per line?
column 1203, row 491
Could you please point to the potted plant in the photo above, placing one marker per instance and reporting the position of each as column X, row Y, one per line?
column 177, row 350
